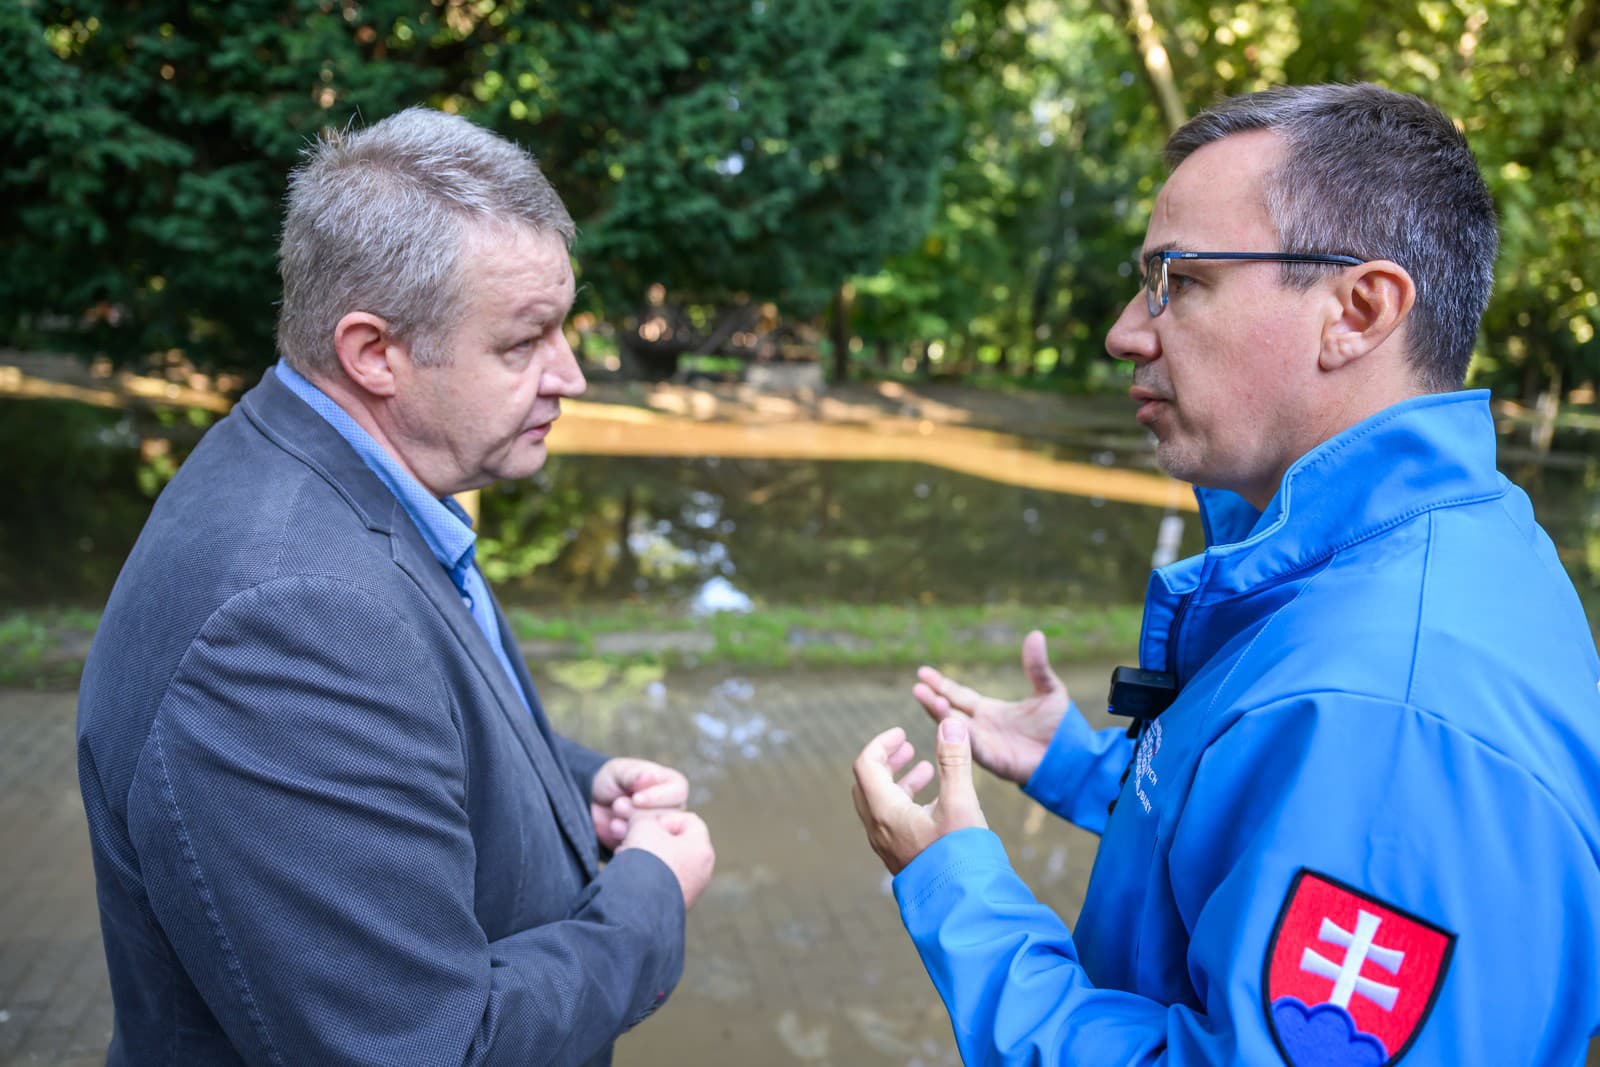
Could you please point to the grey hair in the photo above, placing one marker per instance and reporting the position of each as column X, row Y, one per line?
column 377, row 220
column 1375, row 174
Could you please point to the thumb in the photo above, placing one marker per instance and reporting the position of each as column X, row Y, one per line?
column 958, row 800
column 1036, row 664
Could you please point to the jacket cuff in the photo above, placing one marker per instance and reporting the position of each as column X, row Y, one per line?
column 1075, row 756
column 919, row 886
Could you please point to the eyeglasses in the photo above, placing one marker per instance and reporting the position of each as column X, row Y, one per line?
column 1155, row 268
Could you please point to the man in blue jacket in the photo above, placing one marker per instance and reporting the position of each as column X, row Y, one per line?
column 331, row 823
column 1366, row 825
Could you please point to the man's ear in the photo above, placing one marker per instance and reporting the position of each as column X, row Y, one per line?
column 1373, row 299
column 367, row 348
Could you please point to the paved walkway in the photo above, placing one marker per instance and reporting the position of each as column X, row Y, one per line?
column 796, row 953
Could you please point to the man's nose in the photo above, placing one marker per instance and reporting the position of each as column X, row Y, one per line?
column 563, row 377
column 1133, row 335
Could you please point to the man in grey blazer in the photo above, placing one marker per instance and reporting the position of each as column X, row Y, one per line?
column 331, row 823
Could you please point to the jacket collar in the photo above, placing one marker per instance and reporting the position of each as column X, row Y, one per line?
column 293, row 426
column 1424, row 453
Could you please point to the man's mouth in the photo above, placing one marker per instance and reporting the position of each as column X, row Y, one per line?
column 539, row 430
column 1150, row 402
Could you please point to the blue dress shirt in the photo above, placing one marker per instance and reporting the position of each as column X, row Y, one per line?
column 444, row 524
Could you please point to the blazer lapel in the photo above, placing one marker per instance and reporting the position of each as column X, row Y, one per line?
column 412, row 556
column 294, row 426
column 581, row 827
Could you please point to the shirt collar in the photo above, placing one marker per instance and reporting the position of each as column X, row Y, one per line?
column 444, row 524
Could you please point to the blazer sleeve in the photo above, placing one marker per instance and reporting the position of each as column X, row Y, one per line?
column 300, row 818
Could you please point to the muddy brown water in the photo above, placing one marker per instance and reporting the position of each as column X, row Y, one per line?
column 795, row 952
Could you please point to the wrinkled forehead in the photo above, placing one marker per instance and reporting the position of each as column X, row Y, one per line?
column 1216, row 200
column 502, row 259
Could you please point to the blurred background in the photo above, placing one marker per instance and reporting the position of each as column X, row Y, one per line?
column 845, row 271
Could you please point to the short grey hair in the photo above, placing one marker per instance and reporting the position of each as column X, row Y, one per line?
column 1375, row 174
column 377, row 220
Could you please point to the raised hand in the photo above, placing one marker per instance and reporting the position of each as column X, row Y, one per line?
column 625, row 786
column 679, row 839
column 1009, row 738
column 898, row 828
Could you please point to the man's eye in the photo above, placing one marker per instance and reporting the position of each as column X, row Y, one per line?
column 1177, row 283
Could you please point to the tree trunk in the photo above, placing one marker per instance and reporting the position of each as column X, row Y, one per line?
column 842, row 298
column 1583, row 32
column 1154, row 59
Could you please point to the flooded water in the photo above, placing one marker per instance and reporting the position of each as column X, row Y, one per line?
column 795, row 953
column 678, row 529
column 1047, row 525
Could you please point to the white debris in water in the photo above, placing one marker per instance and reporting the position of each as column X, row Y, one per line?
column 719, row 594
column 804, row 1043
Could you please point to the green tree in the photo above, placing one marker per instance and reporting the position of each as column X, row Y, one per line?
column 729, row 151
column 147, row 150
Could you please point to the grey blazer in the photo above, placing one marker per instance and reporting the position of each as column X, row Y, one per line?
column 325, row 829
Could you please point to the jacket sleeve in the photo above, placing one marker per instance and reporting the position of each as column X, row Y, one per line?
column 300, row 818
column 1081, row 771
column 1384, row 800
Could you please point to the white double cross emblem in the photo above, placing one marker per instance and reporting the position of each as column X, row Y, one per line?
column 1358, row 946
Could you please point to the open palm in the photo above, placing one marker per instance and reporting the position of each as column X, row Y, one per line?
column 1009, row 738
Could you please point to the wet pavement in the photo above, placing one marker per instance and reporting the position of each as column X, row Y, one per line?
column 796, row 954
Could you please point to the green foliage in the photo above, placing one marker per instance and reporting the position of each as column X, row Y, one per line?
column 1030, row 249
column 979, row 170
column 727, row 147
column 45, row 649
column 149, row 145
column 149, row 148
column 775, row 637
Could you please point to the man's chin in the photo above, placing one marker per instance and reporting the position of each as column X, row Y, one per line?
column 526, row 460
column 1175, row 461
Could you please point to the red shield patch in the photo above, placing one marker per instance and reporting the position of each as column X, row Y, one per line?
column 1349, row 980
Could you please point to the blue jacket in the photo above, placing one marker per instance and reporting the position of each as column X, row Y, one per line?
column 326, row 829
column 1367, row 828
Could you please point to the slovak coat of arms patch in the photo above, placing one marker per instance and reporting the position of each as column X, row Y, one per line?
column 1348, row 979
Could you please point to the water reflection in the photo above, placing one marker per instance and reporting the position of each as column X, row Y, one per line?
column 718, row 533
column 795, row 953
column 714, row 533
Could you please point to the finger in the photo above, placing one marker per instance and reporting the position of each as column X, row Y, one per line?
column 673, row 822
column 1036, row 664
column 900, row 757
column 935, row 705
column 878, row 749
column 619, row 829
column 873, row 777
column 623, row 807
column 672, row 791
column 958, row 800
column 917, row 779
column 693, row 825
column 959, row 696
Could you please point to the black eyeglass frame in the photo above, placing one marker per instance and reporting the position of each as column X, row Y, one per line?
column 1156, row 295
